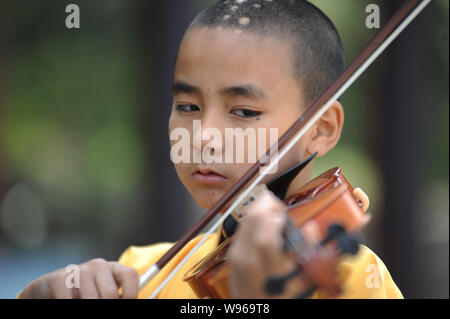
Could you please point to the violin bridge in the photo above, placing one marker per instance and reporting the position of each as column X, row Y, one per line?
column 241, row 210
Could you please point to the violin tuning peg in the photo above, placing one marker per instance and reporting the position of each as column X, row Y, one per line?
column 275, row 285
column 334, row 232
column 348, row 245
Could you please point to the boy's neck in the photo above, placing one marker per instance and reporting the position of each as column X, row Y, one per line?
column 302, row 178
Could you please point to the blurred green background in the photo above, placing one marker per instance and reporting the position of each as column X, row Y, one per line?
column 84, row 155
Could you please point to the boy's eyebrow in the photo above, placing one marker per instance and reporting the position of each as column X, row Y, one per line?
column 247, row 90
column 183, row 87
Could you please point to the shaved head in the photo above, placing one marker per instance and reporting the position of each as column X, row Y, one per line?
column 312, row 39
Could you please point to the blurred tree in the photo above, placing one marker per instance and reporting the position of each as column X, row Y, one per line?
column 160, row 26
column 1, row 95
column 408, row 107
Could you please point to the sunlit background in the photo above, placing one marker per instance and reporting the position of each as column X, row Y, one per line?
column 84, row 153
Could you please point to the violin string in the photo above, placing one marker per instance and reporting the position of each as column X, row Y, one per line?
column 296, row 239
column 293, row 236
column 278, row 156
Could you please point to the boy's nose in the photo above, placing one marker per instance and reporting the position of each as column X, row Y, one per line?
column 210, row 135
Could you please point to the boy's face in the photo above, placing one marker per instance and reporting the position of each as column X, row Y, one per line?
column 228, row 79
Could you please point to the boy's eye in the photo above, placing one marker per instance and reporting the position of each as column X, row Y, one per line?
column 188, row 108
column 244, row 113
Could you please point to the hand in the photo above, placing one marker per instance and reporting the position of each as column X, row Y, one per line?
column 256, row 253
column 98, row 279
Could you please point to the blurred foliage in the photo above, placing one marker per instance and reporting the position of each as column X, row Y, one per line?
column 70, row 114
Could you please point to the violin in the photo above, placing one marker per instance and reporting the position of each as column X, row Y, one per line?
column 339, row 211
column 315, row 199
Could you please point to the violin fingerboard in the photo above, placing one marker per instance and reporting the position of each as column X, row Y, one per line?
column 241, row 210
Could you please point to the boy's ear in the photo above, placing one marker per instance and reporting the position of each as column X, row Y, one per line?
column 327, row 131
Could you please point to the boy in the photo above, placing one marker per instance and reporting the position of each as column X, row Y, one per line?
column 242, row 64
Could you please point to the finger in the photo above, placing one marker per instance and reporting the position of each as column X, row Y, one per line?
column 243, row 248
column 58, row 288
column 106, row 284
column 311, row 232
column 88, row 288
column 268, row 240
column 266, row 206
column 128, row 279
column 269, row 218
column 277, row 263
column 267, row 235
column 246, row 274
column 248, row 271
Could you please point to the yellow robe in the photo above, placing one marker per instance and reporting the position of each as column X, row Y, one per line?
column 363, row 276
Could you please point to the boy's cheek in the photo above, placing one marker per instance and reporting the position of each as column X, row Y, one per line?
column 182, row 172
column 175, row 121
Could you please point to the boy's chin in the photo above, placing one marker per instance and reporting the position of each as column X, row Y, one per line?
column 207, row 202
column 207, row 205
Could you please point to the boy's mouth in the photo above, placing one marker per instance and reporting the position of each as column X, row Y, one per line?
column 208, row 176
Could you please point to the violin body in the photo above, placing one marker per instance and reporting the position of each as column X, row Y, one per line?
column 327, row 200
